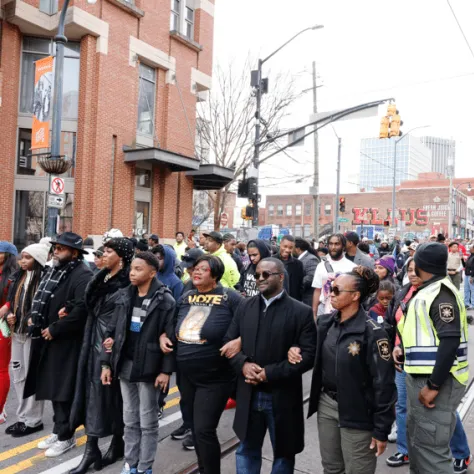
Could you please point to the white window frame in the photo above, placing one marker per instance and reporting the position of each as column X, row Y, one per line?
column 180, row 18
column 271, row 210
column 298, row 210
column 280, row 210
column 154, row 82
column 290, row 208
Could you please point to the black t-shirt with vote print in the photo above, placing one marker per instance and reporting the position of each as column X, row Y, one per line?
column 202, row 322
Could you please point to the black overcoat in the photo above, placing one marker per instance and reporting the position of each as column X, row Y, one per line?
column 53, row 365
column 293, row 325
column 98, row 406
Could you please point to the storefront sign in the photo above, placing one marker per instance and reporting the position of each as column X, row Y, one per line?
column 375, row 216
column 42, row 102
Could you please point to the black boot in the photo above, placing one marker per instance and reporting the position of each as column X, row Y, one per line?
column 115, row 451
column 92, row 455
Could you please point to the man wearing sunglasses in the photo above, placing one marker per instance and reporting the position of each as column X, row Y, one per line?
column 270, row 324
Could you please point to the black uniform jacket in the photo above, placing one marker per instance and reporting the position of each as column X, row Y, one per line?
column 292, row 325
column 149, row 360
column 366, row 389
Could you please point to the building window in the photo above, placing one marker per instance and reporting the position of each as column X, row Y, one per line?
column 175, row 14
column 142, row 217
column 289, row 209
column 297, row 230
column 182, row 17
column 38, row 48
column 307, row 230
column 189, row 23
column 327, row 210
column 298, row 210
column 142, row 178
column 27, row 163
column 307, row 209
column 271, row 210
column 280, row 210
column 31, row 217
column 146, row 100
column 50, row 7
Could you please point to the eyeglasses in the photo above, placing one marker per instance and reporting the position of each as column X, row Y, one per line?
column 337, row 291
column 266, row 275
column 201, row 270
column 59, row 248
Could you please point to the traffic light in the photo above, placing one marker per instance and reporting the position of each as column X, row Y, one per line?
column 384, row 127
column 249, row 212
column 386, row 223
column 391, row 110
column 243, row 189
column 252, row 189
column 342, row 204
column 243, row 213
column 395, row 125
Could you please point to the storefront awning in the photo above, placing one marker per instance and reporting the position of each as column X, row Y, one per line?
column 210, row 176
column 174, row 161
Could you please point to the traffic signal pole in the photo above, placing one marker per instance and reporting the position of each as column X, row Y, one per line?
column 315, row 188
column 256, row 154
column 338, row 189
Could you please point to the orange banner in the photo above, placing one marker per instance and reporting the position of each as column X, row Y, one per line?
column 42, row 103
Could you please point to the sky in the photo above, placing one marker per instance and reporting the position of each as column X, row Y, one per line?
column 411, row 50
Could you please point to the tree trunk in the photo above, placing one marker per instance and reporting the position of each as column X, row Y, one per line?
column 217, row 211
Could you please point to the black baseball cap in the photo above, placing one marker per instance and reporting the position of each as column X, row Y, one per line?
column 189, row 259
column 214, row 235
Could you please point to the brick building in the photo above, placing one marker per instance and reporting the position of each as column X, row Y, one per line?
column 422, row 205
column 134, row 72
column 296, row 212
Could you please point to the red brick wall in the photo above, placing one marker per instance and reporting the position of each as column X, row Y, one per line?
column 108, row 107
column 9, row 80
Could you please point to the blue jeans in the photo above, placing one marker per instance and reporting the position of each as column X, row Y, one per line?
column 468, row 292
column 249, row 453
column 459, row 445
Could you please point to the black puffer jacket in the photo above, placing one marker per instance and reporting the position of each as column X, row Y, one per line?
column 149, row 361
column 98, row 406
column 365, row 374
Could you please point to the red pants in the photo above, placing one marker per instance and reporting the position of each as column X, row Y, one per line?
column 5, row 355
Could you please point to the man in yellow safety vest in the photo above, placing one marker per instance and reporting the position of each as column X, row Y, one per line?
column 433, row 332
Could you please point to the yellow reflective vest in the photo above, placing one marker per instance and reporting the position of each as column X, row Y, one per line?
column 418, row 334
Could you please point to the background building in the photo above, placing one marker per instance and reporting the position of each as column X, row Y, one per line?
column 134, row 72
column 377, row 158
column 443, row 152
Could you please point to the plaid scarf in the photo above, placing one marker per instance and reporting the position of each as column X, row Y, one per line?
column 139, row 315
column 50, row 281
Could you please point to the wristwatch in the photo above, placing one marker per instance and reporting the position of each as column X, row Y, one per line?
column 431, row 385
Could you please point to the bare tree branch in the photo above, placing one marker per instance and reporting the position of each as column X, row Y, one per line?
column 226, row 122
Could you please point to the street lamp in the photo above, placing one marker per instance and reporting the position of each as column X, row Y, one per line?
column 60, row 40
column 258, row 82
column 394, row 196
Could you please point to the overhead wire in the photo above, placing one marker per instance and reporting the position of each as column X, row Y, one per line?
column 460, row 28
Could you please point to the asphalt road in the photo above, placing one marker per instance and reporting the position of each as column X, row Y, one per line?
column 19, row 455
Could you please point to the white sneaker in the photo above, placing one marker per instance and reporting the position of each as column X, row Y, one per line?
column 60, row 447
column 392, row 437
column 48, row 442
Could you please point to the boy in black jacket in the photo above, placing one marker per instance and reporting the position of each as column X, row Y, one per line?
column 140, row 318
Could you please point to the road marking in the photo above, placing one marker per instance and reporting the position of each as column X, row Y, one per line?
column 11, row 453
column 31, row 462
column 72, row 463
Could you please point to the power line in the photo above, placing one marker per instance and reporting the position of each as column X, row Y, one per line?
column 460, row 29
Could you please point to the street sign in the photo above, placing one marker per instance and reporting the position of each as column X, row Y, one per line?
column 224, row 219
column 57, row 186
column 343, row 219
column 56, row 202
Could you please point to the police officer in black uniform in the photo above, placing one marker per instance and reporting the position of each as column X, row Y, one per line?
column 353, row 388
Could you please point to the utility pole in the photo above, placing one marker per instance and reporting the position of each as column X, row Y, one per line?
column 253, row 171
column 315, row 188
column 338, row 185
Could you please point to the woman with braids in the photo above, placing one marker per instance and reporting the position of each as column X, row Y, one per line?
column 20, row 298
column 8, row 266
column 99, row 406
column 353, row 387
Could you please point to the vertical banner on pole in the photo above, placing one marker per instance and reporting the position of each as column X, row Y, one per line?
column 42, row 100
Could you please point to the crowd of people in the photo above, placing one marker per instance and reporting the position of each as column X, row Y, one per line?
column 99, row 331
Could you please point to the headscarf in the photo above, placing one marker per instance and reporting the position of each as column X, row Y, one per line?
column 123, row 247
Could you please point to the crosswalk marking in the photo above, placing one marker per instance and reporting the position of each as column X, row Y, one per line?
column 34, row 460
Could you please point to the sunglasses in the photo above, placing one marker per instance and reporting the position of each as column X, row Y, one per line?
column 337, row 291
column 265, row 275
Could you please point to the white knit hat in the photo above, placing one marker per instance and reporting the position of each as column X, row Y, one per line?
column 39, row 252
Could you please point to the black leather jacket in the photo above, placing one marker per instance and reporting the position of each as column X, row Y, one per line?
column 366, row 392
